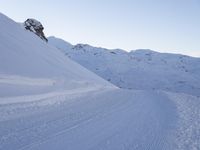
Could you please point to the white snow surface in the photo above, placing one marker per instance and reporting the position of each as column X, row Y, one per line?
column 138, row 69
column 106, row 119
column 29, row 65
column 49, row 102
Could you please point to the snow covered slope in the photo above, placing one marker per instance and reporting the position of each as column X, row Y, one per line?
column 30, row 66
column 109, row 120
column 48, row 102
column 139, row 69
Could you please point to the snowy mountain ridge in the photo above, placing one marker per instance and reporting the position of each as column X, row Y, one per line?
column 138, row 69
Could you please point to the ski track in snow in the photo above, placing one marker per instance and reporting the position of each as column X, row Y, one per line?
column 19, row 80
column 113, row 119
column 10, row 106
column 40, row 97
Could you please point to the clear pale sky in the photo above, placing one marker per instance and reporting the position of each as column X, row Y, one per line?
column 163, row 25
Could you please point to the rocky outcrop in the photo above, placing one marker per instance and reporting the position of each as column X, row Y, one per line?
column 35, row 27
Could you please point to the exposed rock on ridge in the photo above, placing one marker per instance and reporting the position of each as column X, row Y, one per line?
column 35, row 27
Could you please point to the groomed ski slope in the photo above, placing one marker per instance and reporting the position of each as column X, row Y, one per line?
column 48, row 102
column 107, row 119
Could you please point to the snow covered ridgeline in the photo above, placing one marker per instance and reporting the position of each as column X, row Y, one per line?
column 139, row 69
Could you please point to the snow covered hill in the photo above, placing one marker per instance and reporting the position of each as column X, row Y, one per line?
column 49, row 102
column 30, row 66
column 139, row 69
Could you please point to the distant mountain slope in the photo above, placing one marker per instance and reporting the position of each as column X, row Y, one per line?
column 139, row 69
column 30, row 66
